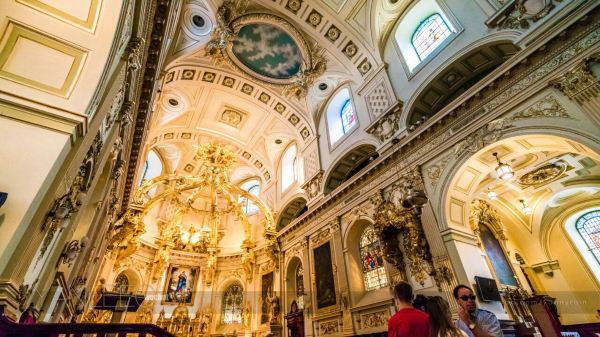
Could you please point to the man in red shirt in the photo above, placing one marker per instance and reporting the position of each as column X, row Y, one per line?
column 408, row 321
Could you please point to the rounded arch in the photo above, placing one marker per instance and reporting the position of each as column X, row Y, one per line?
column 293, row 290
column 469, row 170
column 134, row 278
column 231, row 301
column 462, row 73
column 350, row 163
column 292, row 210
column 322, row 109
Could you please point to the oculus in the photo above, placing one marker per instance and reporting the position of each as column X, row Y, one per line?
column 267, row 50
column 265, row 47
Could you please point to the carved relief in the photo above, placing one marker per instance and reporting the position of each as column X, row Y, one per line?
column 314, row 185
column 375, row 319
column 388, row 124
column 232, row 117
column 579, row 83
column 328, row 327
column 435, row 171
column 520, row 13
column 321, row 236
column 543, row 175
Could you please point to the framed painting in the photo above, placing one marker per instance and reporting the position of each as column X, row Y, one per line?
column 180, row 284
column 266, row 286
column 324, row 276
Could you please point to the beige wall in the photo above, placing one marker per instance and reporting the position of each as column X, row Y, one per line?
column 30, row 157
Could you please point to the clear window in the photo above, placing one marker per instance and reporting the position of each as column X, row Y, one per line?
column 429, row 35
column 289, row 168
column 371, row 257
column 588, row 226
column 252, row 187
column 232, row 304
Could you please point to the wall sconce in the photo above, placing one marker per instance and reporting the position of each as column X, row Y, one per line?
column 72, row 250
column 526, row 210
column 504, row 171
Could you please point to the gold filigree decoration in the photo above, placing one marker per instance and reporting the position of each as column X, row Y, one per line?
column 544, row 174
column 231, row 18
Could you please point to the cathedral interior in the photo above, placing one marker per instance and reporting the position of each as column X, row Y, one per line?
column 240, row 168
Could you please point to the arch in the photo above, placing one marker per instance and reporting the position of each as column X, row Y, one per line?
column 294, row 290
column 232, row 304
column 587, row 247
column 134, row 279
column 291, row 211
column 351, row 163
column 453, row 80
column 152, row 166
column 252, row 186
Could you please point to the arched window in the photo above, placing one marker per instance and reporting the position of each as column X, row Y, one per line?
column 429, row 35
column 588, row 226
column 121, row 284
column 341, row 117
column 232, row 304
column 152, row 167
column 252, row 187
column 371, row 257
column 290, row 168
column 496, row 256
column 300, row 286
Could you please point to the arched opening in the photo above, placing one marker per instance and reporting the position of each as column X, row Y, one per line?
column 231, row 306
column 341, row 115
column 555, row 181
column 457, row 78
column 291, row 211
column 294, row 284
column 349, row 165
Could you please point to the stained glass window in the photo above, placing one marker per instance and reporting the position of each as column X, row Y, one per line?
column 232, row 304
column 371, row 257
column 121, row 284
column 348, row 116
column 300, row 286
column 588, row 226
column 429, row 35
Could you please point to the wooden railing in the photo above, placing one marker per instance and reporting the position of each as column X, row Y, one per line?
column 583, row 330
column 8, row 328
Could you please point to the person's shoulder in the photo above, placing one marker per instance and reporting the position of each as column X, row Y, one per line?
column 486, row 314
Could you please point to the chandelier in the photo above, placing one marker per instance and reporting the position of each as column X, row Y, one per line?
column 180, row 192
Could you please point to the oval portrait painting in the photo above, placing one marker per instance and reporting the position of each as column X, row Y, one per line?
column 267, row 50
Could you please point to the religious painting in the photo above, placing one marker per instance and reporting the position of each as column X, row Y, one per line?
column 265, row 288
column 180, row 284
column 498, row 260
column 267, row 50
column 324, row 276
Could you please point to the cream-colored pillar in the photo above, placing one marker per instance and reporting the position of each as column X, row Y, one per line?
column 469, row 261
column 342, row 278
column 308, row 305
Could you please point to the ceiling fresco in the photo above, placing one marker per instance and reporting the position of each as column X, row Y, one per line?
column 267, row 50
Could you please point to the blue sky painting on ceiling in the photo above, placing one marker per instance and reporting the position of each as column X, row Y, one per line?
column 267, row 50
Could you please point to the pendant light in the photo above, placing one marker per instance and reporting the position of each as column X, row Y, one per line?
column 504, row 171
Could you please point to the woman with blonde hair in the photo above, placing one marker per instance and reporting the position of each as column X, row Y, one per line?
column 440, row 319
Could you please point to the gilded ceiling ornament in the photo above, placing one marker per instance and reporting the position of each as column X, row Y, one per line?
column 265, row 47
column 579, row 83
column 520, row 13
column 544, row 174
column 483, row 213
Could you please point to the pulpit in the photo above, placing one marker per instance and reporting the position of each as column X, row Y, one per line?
column 119, row 304
column 295, row 323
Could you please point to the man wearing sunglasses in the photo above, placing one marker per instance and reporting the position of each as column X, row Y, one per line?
column 475, row 322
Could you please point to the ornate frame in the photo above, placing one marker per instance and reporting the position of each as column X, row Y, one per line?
column 231, row 19
column 194, row 269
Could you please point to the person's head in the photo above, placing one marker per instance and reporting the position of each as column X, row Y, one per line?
column 294, row 307
column 440, row 318
column 465, row 297
column 403, row 294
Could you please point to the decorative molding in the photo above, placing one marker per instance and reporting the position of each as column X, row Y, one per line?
column 434, row 172
column 233, row 117
column 329, row 327
column 579, row 83
column 374, row 319
column 321, row 236
column 544, row 174
column 546, row 267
